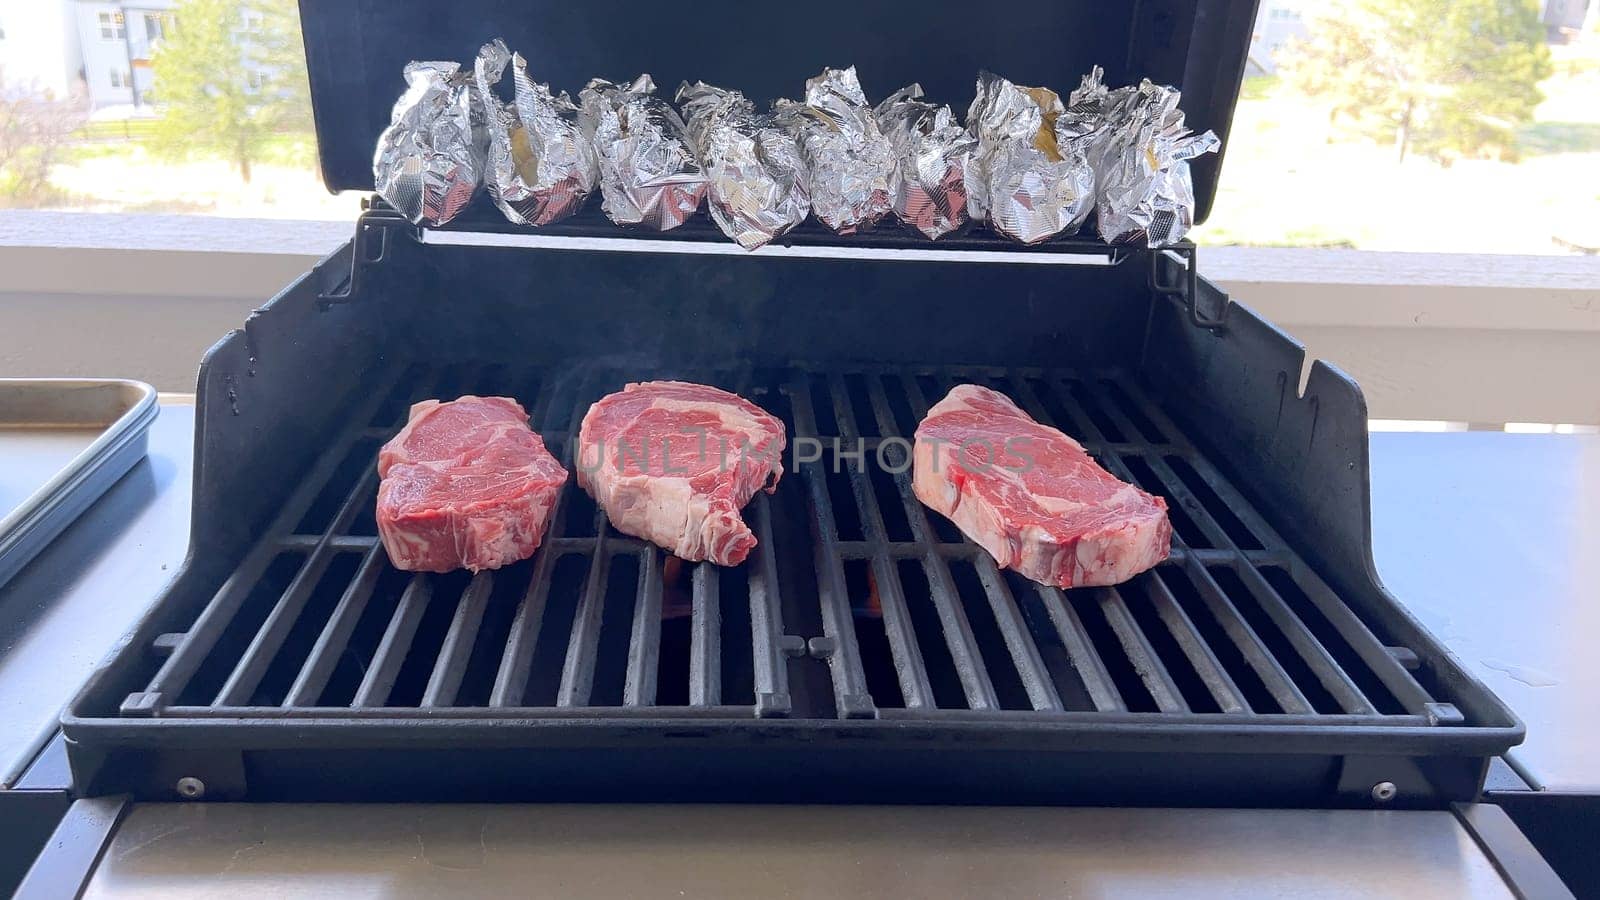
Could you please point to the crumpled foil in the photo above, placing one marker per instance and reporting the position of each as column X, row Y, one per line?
column 648, row 174
column 927, row 187
column 1027, row 184
column 848, row 159
column 540, row 166
column 758, row 187
column 1141, row 153
column 429, row 161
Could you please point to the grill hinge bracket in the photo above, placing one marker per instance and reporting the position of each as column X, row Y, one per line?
column 1184, row 284
column 370, row 248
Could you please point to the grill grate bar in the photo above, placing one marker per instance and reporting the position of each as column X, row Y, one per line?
column 966, row 550
column 246, row 676
column 1315, row 656
column 644, row 642
column 1080, row 650
column 173, row 676
column 1173, row 641
column 331, row 643
column 516, row 661
column 1372, row 651
column 910, row 670
column 577, row 671
column 391, row 652
column 655, row 714
column 964, row 652
column 1327, row 670
column 1030, row 667
column 1205, row 663
column 771, row 675
column 705, row 637
column 1272, row 674
column 511, row 680
column 1146, row 662
column 843, row 652
column 451, row 663
column 658, row 715
column 344, row 543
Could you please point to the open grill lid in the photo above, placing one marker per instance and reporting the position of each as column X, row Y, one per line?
column 356, row 50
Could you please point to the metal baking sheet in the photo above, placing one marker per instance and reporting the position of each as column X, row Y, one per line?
column 63, row 441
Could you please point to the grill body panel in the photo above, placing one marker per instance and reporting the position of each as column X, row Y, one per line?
column 865, row 651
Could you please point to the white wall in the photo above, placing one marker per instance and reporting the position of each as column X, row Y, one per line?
column 40, row 46
column 1428, row 336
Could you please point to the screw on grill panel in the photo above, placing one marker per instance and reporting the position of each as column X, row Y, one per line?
column 1384, row 791
column 190, row 788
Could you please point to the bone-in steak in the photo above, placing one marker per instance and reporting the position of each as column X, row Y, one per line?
column 673, row 463
column 466, row 484
column 1031, row 496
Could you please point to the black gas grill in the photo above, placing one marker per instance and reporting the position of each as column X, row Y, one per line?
column 865, row 651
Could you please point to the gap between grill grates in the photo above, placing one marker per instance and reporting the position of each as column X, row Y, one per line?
column 857, row 603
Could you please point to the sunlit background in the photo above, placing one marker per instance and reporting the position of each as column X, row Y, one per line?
column 1429, row 125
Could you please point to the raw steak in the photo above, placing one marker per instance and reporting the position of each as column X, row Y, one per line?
column 673, row 463
column 1039, row 504
column 466, row 484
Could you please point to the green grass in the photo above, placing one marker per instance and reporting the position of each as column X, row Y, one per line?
column 1258, row 87
column 1541, row 138
column 127, row 129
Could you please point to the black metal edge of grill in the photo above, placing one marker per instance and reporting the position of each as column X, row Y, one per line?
column 305, row 369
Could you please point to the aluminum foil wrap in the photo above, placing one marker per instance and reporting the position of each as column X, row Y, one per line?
column 757, row 187
column 540, row 166
column 848, row 159
column 648, row 174
column 429, row 161
column 1023, row 181
column 927, row 187
column 1145, row 192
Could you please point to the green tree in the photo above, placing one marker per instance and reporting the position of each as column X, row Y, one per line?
column 1443, row 77
column 227, row 76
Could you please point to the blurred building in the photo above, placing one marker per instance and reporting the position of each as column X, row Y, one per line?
column 1563, row 19
column 117, row 42
column 1277, row 22
column 101, row 50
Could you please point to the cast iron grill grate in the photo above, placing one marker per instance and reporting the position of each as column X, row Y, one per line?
column 858, row 603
